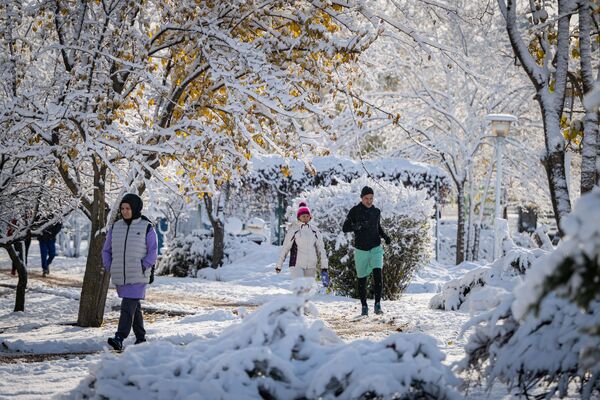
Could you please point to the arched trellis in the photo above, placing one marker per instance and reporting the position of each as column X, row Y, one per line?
column 272, row 180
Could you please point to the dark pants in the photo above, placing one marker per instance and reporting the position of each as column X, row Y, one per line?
column 377, row 286
column 47, row 252
column 131, row 316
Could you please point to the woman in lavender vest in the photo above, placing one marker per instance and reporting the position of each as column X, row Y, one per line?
column 129, row 253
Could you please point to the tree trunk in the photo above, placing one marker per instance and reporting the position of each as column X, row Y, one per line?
column 218, row 232
column 475, row 249
column 95, row 280
column 551, row 101
column 468, row 245
column 590, row 150
column 554, row 163
column 218, row 243
column 22, row 273
column 460, row 228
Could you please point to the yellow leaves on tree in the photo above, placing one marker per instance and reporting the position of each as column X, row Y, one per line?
column 298, row 49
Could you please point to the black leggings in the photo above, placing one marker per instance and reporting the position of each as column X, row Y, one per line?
column 377, row 286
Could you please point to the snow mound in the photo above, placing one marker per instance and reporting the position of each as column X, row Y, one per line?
column 433, row 276
column 503, row 275
column 275, row 353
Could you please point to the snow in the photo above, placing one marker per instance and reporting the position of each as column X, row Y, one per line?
column 325, row 171
column 275, row 350
column 541, row 335
column 203, row 311
column 379, row 167
column 482, row 287
column 582, row 239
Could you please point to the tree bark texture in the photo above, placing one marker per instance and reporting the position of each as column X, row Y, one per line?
column 218, row 243
column 95, row 283
column 22, row 274
column 590, row 154
column 475, row 248
column 218, row 233
column 95, row 280
column 460, row 228
column 554, row 163
column 590, row 151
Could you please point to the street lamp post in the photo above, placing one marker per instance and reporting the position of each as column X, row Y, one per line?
column 500, row 128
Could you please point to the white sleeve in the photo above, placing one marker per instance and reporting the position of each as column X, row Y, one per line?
column 287, row 245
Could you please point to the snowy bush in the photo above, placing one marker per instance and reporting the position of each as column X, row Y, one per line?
column 405, row 217
column 185, row 256
column 573, row 269
column 266, row 174
column 545, row 337
column 502, row 275
column 275, row 353
column 539, row 353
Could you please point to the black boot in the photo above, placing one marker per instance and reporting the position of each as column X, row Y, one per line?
column 116, row 343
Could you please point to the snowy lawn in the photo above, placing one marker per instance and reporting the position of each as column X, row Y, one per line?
column 185, row 310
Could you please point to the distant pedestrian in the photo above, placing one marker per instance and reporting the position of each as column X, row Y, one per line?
column 365, row 221
column 47, row 240
column 129, row 252
column 304, row 243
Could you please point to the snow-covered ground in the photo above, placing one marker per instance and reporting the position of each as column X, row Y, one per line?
column 44, row 354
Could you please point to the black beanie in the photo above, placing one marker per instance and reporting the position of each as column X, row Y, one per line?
column 136, row 204
column 365, row 191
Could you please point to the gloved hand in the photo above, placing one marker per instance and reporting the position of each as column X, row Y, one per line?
column 358, row 226
column 387, row 240
column 325, row 278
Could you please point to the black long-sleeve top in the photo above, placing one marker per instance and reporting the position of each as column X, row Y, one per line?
column 366, row 225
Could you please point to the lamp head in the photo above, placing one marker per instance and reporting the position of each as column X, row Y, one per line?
column 501, row 123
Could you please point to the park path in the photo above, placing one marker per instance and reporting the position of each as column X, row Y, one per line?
column 157, row 308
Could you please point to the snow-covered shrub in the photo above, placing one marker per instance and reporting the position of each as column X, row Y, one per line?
column 503, row 275
column 538, row 354
column 275, row 353
column 184, row 256
column 266, row 174
column 573, row 269
column 545, row 336
column 405, row 217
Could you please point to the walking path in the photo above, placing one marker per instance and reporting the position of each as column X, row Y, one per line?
column 44, row 346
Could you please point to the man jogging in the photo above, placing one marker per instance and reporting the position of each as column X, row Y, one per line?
column 364, row 220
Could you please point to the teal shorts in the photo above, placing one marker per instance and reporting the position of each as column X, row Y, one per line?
column 366, row 261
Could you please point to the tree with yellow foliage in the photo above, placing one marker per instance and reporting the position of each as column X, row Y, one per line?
column 113, row 90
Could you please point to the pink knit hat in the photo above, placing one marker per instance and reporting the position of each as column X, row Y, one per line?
column 303, row 210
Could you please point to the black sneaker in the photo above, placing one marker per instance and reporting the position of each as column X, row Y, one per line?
column 46, row 272
column 141, row 340
column 378, row 310
column 116, row 343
